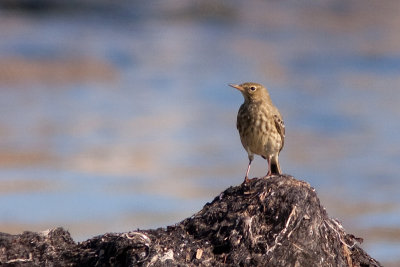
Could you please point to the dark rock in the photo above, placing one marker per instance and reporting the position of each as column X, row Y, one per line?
column 269, row 222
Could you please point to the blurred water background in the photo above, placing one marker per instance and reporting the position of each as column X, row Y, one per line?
column 116, row 115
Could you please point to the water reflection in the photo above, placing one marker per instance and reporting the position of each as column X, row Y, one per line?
column 113, row 122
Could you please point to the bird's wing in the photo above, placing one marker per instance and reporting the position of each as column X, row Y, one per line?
column 280, row 127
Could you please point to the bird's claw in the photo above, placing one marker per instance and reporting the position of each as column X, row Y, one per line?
column 247, row 180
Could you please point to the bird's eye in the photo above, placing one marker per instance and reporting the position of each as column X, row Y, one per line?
column 253, row 88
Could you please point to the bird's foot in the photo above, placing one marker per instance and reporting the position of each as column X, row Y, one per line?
column 270, row 174
column 247, row 180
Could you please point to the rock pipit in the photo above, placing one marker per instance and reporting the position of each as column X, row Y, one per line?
column 260, row 126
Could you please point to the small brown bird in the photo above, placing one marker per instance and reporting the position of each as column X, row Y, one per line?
column 260, row 126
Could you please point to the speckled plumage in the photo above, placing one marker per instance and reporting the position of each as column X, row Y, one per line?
column 260, row 126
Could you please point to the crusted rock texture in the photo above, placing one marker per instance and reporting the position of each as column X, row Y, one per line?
column 274, row 221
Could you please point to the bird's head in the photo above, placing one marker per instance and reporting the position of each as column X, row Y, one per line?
column 252, row 92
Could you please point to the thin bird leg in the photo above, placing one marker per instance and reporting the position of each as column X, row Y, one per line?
column 246, row 178
column 269, row 166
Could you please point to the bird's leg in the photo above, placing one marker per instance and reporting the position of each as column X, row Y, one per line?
column 269, row 166
column 246, row 178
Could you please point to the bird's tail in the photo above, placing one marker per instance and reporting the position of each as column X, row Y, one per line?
column 275, row 168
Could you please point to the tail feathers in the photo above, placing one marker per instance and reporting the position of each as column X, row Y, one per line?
column 274, row 165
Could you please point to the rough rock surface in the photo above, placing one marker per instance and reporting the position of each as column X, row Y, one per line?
column 276, row 221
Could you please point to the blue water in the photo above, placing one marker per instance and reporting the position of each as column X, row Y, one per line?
column 110, row 121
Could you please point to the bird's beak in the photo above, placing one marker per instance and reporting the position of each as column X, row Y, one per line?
column 237, row 87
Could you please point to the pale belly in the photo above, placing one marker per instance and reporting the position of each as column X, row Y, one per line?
column 266, row 144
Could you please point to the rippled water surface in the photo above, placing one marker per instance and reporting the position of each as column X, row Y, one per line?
column 118, row 117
